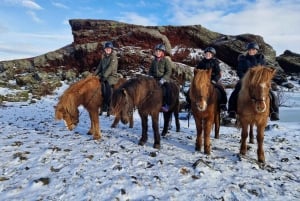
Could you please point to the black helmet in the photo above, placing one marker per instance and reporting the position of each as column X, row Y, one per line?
column 108, row 45
column 252, row 45
column 211, row 50
column 161, row 47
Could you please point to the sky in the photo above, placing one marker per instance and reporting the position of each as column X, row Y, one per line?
column 30, row 28
column 42, row 160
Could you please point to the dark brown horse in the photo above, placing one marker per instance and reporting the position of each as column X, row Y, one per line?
column 145, row 94
column 205, row 108
column 253, row 106
column 86, row 92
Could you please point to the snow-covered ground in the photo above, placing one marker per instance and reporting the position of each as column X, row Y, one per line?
column 41, row 160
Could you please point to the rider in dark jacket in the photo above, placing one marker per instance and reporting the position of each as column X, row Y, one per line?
column 251, row 59
column 210, row 62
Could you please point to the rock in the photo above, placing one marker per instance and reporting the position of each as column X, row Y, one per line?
column 289, row 61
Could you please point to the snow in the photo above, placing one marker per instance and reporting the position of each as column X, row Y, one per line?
column 42, row 160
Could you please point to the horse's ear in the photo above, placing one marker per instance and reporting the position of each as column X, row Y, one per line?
column 124, row 91
column 209, row 71
column 273, row 71
column 195, row 71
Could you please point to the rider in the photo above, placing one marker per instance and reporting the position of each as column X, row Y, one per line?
column 107, row 71
column 161, row 69
column 245, row 62
column 210, row 62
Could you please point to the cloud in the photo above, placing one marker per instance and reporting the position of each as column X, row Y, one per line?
column 24, row 3
column 31, row 5
column 134, row 18
column 34, row 16
column 60, row 5
column 276, row 20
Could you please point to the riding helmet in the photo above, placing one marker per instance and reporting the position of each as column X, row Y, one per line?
column 211, row 50
column 252, row 45
column 161, row 47
column 108, row 45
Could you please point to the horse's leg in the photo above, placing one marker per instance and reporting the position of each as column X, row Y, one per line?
column 176, row 115
column 207, row 129
column 95, row 128
column 144, row 137
column 131, row 120
column 167, row 116
column 251, row 136
column 116, row 121
column 198, row 121
column 217, row 124
column 156, row 130
column 260, row 142
column 244, row 135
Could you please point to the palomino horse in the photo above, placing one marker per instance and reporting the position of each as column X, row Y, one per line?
column 145, row 94
column 253, row 105
column 205, row 107
column 86, row 92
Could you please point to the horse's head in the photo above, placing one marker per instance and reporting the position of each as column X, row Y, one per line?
column 121, row 105
column 200, row 88
column 70, row 117
column 258, row 82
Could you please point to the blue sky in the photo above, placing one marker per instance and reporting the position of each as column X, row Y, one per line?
column 29, row 28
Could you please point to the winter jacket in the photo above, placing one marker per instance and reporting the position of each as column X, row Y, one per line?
column 213, row 64
column 107, row 68
column 247, row 61
column 161, row 68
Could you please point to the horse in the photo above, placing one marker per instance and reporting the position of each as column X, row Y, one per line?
column 86, row 92
column 145, row 94
column 253, row 106
column 205, row 108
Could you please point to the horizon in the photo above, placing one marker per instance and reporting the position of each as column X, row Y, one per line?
column 29, row 28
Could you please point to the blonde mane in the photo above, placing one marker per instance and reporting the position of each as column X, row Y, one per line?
column 256, row 76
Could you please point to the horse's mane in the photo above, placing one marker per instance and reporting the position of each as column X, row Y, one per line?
column 200, row 78
column 68, row 98
column 130, row 88
column 257, row 75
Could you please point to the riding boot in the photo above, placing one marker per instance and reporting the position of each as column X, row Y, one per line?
column 274, row 107
column 223, row 97
column 232, row 104
column 165, row 106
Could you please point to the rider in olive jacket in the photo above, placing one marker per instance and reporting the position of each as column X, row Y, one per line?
column 161, row 70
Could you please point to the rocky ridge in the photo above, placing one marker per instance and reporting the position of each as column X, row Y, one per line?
column 34, row 77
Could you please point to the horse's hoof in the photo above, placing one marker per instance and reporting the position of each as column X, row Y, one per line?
column 178, row 130
column 163, row 134
column 113, row 126
column 156, row 146
column 97, row 137
column 89, row 133
column 197, row 148
column 141, row 143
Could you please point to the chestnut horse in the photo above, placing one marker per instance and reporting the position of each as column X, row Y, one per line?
column 253, row 106
column 86, row 92
column 145, row 94
column 205, row 107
